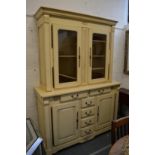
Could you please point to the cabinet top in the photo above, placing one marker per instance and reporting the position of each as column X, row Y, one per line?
column 44, row 93
column 72, row 15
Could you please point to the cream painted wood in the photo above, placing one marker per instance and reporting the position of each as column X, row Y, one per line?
column 72, row 15
column 87, row 131
column 87, row 121
column 56, row 27
column 88, row 102
column 49, row 21
column 87, row 112
column 59, row 92
column 103, row 31
column 100, row 91
column 73, row 112
column 105, row 110
column 44, row 46
column 54, row 126
column 73, row 96
column 65, row 122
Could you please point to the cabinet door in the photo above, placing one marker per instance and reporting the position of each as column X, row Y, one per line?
column 99, row 55
column 65, row 122
column 105, row 110
column 66, row 55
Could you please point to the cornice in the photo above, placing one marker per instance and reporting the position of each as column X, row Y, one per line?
column 72, row 15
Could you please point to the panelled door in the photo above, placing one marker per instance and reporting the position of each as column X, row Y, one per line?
column 67, row 61
column 98, row 55
column 105, row 110
column 65, row 122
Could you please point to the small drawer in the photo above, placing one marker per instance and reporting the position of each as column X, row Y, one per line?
column 99, row 91
column 72, row 96
column 87, row 112
column 87, row 131
column 88, row 102
column 87, row 121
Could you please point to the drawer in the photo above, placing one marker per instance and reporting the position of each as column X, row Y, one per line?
column 88, row 102
column 73, row 96
column 87, row 121
column 87, row 112
column 100, row 91
column 87, row 131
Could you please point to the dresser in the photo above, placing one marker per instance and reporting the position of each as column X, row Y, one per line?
column 76, row 99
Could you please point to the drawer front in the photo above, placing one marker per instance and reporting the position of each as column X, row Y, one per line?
column 87, row 121
column 87, row 131
column 87, row 112
column 73, row 96
column 100, row 91
column 88, row 102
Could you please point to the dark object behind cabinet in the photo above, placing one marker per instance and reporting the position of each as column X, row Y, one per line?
column 123, row 102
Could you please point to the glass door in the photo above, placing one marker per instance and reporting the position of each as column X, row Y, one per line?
column 67, row 56
column 98, row 56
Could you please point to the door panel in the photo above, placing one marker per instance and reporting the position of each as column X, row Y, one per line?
column 65, row 122
column 99, row 48
column 105, row 110
column 66, row 56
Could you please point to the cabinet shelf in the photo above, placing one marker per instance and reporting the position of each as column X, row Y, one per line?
column 67, row 76
column 98, row 56
column 67, row 56
column 97, row 68
column 99, row 41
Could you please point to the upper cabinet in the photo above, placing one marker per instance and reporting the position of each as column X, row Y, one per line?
column 75, row 49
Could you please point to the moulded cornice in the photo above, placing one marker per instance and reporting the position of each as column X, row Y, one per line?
column 72, row 15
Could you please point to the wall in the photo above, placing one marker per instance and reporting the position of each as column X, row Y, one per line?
column 112, row 9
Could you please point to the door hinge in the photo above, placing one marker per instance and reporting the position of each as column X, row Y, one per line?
column 108, row 71
column 53, row 75
column 51, row 36
column 110, row 37
column 97, row 113
column 77, row 120
column 79, row 57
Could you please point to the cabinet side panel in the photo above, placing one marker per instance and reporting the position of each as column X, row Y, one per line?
column 111, row 44
column 41, row 118
column 42, row 57
column 44, row 27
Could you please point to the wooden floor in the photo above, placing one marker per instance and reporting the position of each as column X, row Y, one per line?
column 98, row 146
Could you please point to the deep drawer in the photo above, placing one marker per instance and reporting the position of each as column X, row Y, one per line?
column 87, row 131
column 88, row 102
column 87, row 121
column 87, row 112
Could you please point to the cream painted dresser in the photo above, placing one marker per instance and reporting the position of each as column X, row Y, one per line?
column 77, row 99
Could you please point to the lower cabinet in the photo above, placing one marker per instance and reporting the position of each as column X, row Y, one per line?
column 65, row 122
column 69, row 119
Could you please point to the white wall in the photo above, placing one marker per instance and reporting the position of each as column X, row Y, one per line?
column 112, row 9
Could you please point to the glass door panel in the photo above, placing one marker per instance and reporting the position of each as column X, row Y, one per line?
column 67, row 53
column 98, row 55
